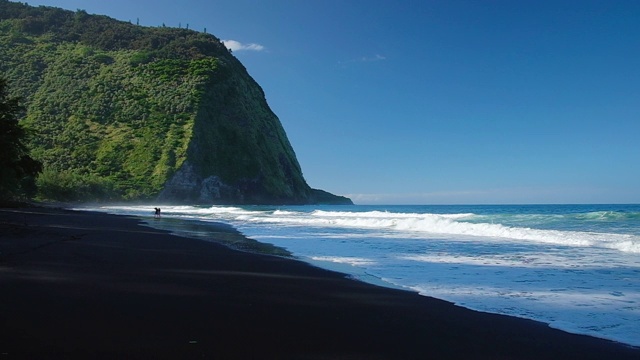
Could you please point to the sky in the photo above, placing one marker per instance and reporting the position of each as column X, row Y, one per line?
column 438, row 102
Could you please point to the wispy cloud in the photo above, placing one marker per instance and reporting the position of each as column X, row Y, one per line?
column 234, row 45
column 444, row 197
column 376, row 57
column 516, row 195
column 364, row 59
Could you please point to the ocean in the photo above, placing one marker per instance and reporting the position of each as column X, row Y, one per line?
column 574, row 267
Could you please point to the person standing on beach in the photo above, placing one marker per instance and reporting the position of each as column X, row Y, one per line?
column 157, row 214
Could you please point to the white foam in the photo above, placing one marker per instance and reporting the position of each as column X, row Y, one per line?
column 430, row 225
column 354, row 261
column 405, row 224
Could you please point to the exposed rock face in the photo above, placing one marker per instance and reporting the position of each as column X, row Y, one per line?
column 189, row 187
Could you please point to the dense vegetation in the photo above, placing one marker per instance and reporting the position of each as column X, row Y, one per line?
column 118, row 108
column 17, row 168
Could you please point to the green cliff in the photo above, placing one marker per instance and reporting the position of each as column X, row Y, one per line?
column 125, row 112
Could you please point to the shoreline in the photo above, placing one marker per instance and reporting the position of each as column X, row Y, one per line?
column 80, row 284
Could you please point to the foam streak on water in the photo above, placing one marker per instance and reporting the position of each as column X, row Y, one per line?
column 574, row 267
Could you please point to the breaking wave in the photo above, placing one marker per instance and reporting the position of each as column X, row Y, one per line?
column 428, row 225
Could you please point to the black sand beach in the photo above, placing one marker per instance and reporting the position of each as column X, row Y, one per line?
column 81, row 285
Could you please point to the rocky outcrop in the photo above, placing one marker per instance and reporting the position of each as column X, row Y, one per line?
column 190, row 187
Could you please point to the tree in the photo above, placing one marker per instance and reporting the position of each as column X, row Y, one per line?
column 17, row 168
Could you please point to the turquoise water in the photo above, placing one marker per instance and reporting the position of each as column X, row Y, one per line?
column 575, row 267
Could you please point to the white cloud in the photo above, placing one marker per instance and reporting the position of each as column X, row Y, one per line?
column 376, row 57
column 238, row 46
column 515, row 195
column 443, row 197
column 364, row 59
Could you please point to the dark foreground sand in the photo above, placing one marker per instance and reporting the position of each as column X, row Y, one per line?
column 86, row 285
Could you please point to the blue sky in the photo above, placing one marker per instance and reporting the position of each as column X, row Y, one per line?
column 438, row 102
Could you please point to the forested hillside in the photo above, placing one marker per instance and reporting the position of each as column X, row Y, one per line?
column 125, row 112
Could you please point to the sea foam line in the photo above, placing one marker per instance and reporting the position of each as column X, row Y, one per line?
column 406, row 224
column 448, row 224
